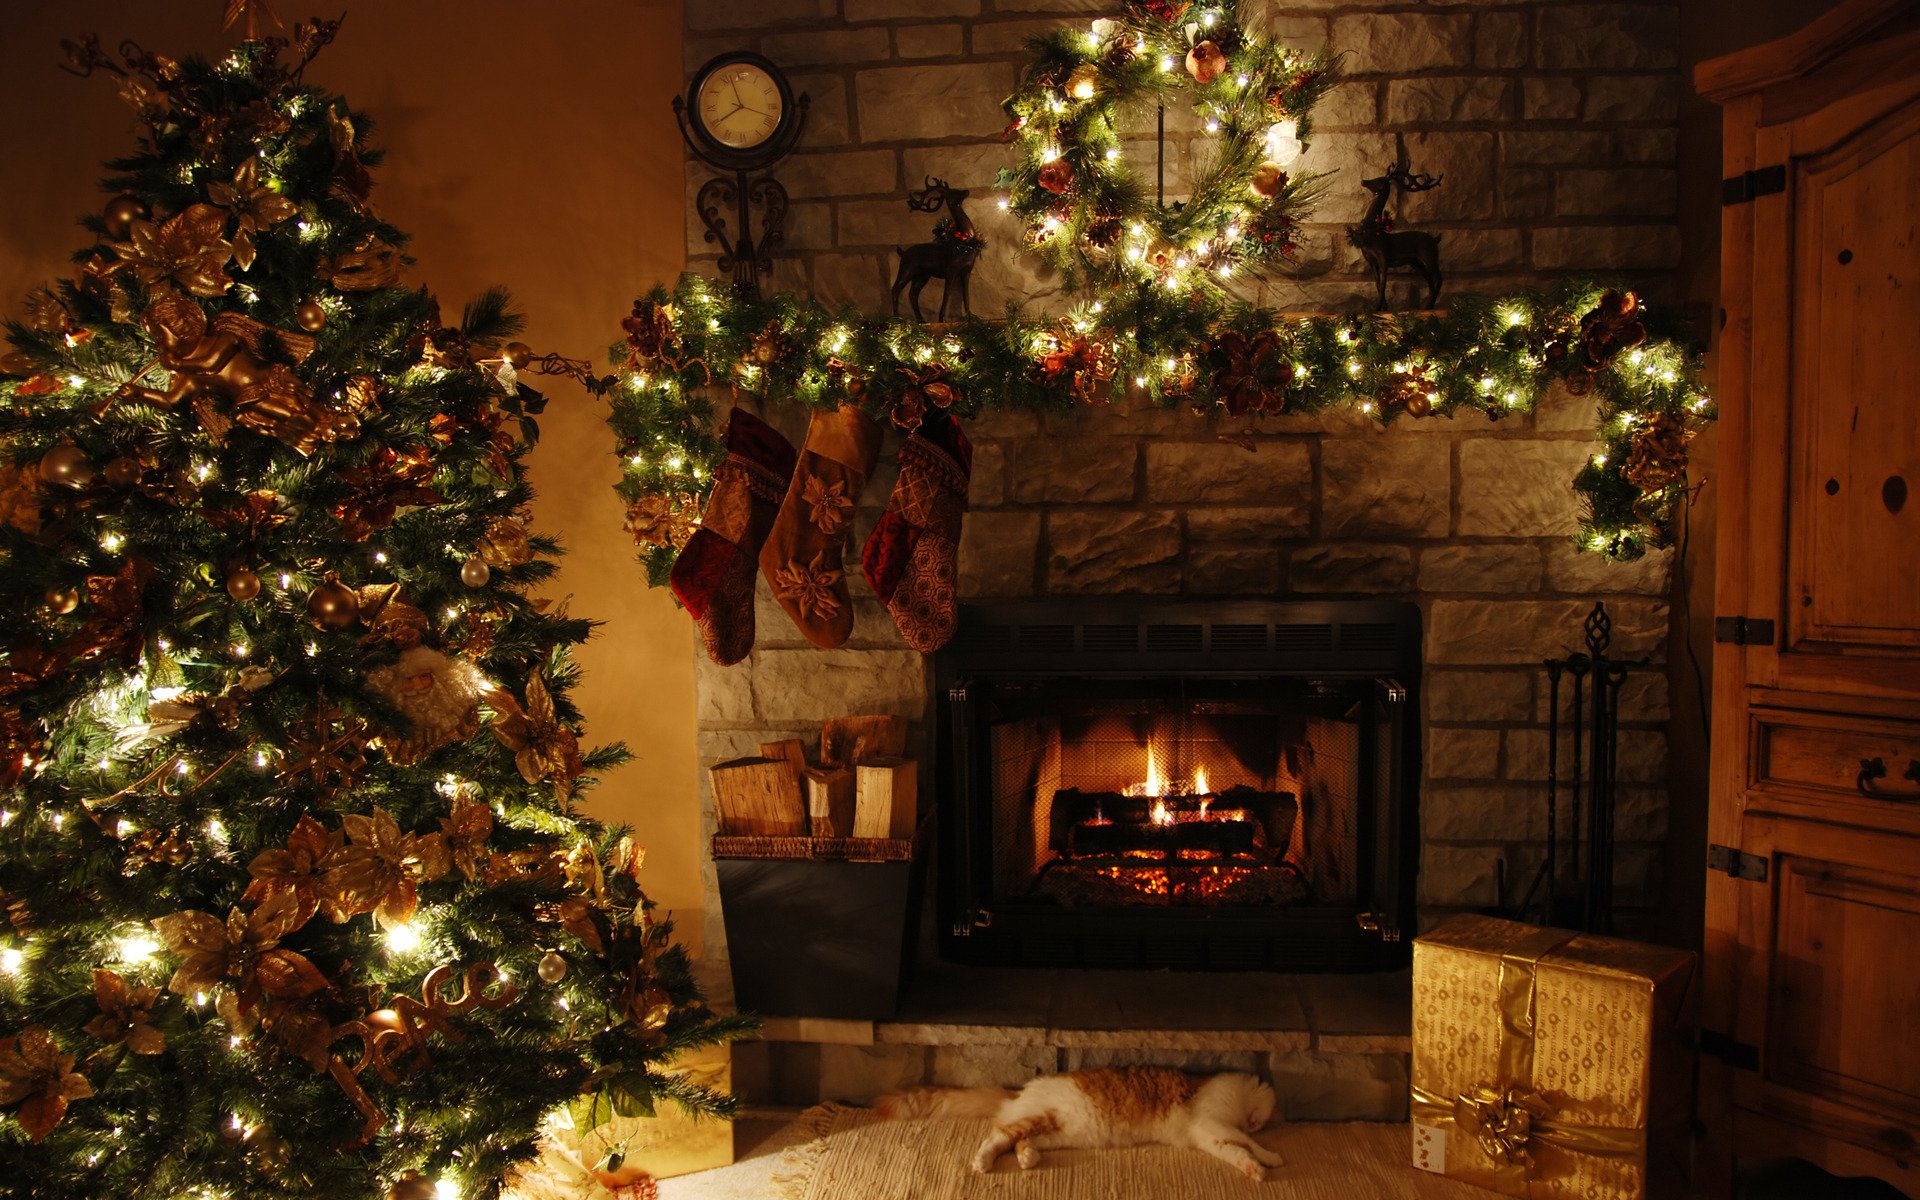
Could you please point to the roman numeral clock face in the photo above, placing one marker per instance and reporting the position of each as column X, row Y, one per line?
column 740, row 105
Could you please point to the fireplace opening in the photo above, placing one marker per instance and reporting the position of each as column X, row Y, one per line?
column 1180, row 791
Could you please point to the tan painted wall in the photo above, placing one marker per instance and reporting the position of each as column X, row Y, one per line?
column 529, row 145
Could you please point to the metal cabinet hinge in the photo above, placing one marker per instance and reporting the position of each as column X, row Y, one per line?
column 1743, row 188
column 1743, row 631
column 1737, row 864
column 1736, row 1054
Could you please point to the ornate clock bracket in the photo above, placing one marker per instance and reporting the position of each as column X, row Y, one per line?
column 743, row 252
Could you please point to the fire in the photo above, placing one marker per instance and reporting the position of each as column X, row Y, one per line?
column 1156, row 783
column 1160, row 814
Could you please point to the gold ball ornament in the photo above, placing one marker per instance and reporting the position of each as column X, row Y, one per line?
column 123, row 472
column 413, row 1186
column 243, row 584
column 67, row 466
column 121, row 212
column 62, row 600
column 1269, row 180
column 332, row 605
column 552, row 968
column 268, row 1149
column 474, row 573
column 310, row 316
column 518, row 355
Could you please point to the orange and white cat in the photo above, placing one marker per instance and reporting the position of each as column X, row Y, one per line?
column 1126, row 1106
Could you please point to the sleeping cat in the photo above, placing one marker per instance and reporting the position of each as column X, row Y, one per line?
column 1129, row 1106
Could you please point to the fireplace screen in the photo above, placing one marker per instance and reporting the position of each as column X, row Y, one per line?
column 1111, row 795
column 1211, row 793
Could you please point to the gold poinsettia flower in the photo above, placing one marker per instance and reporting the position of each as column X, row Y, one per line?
column 809, row 586
column 240, row 956
column 828, row 504
column 656, row 520
column 38, row 1079
column 126, row 1014
column 254, row 207
column 188, row 249
column 379, row 869
column 295, row 870
column 466, row 832
column 542, row 746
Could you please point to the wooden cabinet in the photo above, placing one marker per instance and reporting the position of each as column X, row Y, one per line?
column 1813, row 901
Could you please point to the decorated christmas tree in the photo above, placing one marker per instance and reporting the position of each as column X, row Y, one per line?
column 297, row 896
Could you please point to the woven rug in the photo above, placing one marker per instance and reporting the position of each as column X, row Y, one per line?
column 844, row 1154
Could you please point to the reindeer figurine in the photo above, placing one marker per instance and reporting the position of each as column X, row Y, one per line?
column 949, row 257
column 1386, row 248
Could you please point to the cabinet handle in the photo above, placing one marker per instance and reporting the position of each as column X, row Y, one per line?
column 1876, row 768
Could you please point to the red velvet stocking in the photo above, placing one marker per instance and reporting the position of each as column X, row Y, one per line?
column 715, row 573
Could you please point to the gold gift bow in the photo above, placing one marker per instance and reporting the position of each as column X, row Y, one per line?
column 1508, row 1122
column 1505, row 1119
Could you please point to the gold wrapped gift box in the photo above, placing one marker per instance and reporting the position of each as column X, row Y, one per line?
column 1549, row 1064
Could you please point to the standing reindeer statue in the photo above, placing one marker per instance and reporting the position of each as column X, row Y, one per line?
column 949, row 257
column 1386, row 248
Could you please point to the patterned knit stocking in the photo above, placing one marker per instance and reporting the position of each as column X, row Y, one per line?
column 912, row 557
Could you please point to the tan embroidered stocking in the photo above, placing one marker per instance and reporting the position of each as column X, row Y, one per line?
column 802, row 558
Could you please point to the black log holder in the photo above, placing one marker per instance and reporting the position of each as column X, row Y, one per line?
column 1574, row 886
column 823, row 937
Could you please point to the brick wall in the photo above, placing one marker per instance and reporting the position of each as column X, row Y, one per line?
column 1554, row 126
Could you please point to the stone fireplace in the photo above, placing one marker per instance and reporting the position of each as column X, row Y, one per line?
column 1554, row 126
column 1177, row 784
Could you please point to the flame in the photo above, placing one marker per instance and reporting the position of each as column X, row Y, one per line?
column 1160, row 814
column 1156, row 784
column 1200, row 784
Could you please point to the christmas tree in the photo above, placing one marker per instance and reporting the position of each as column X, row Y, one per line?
column 297, row 899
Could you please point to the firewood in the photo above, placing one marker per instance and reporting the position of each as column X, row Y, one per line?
column 791, row 749
column 830, row 801
column 849, row 741
column 759, row 797
column 887, row 798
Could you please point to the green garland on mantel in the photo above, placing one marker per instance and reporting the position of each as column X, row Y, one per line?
column 1156, row 320
column 1497, row 356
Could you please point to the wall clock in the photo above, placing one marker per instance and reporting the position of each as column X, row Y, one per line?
column 740, row 115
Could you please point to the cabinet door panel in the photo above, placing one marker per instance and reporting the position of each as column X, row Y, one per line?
column 1854, row 545
column 1840, row 969
column 1828, row 989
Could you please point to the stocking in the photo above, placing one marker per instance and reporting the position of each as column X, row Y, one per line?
column 911, row 560
column 714, row 574
column 802, row 557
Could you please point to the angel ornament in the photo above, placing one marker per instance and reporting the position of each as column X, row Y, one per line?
column 221, row 368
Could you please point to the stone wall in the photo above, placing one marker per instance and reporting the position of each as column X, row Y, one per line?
column 1554, row 126
column 1552, row 123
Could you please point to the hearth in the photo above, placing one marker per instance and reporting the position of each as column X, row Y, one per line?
column 1220, row 786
